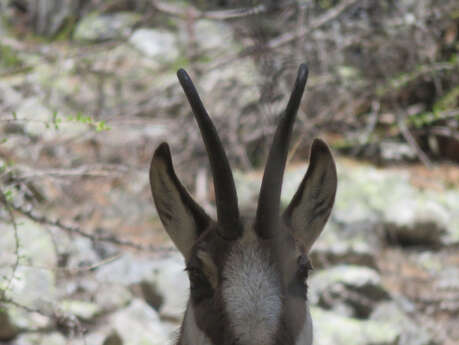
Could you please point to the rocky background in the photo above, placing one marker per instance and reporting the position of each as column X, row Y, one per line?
column 88, row 90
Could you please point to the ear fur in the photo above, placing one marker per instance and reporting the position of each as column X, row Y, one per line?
column 310, row 208
column 183, row 219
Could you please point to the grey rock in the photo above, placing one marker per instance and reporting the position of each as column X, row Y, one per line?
column 217, row 81
column 97, row 28
column 110, row 297
column 348, row 244
column 9, row 97
column 33, row 282
column 170, row 281
column 163, row 281
column 126, row 270
column 137, row 324
column 333, row 329
column 386, row 197
column 33, row 287
column 80, row 251
column 53, row 338
column 212, row 37
column 409, row 332
column 159, row 45
column 396, row 151
column 83, row 310
column 41, row 121
column 26, row 320
column 341, row 287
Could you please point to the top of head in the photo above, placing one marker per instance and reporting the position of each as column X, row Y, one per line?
column 247, row 276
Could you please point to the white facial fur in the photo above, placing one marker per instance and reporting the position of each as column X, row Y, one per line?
column 252, row 296
column 252, row 293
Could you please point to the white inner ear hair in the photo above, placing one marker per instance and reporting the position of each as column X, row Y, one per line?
column 252, row 294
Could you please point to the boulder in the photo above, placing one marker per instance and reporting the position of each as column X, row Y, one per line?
column 159, row 45
column 333, row 329
column 110, row 297
column 409, row 215
column 213, row 37
column 355, row 290
column 136, row 324
column 83, row 310
column 348, row 244
column 409, row 332
column 389, row 204
column 33, row 281
column 53, row 338
column 125, row 270
column 169, row 283
column 102, row 27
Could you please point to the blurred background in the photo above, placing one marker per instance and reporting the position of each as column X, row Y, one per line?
column 88, row 90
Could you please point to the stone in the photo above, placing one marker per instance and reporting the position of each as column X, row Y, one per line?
column 408, row 215
column 125, row 270
column 334, row 329
column 393, row 151
column 53, row 338
column 33, row 281
column 212, row 37
column 27, row 320
column 102, row 27
column 340, row 245
column 357, row 287
column 409, row 332
column 170, row 281
column 83, row 310
column 137, row 324
column 159, row 45
column 110, row 297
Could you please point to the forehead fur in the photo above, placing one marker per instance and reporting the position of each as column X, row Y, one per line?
column 251, row 291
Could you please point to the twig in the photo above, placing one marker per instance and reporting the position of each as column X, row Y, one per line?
column 193, row 13
column 373, row 121
column 61, row 318
column 290, row 36
column 81, row 171
column 4, row 201
column 412, row 142
column 28, row 212
column 322, row 20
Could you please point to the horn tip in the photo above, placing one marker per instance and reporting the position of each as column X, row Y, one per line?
column 303, row 72
column 182, row 75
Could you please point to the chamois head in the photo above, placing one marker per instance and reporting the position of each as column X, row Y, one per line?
column 247, row 276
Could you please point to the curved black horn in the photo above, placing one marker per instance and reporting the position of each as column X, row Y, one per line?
column 225, row 190
column 269, row 200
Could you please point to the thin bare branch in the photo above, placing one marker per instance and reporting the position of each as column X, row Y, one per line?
column 74, row 229
column 193, row 13
column 412, row 142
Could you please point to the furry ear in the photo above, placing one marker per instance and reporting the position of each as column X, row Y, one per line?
column 310, row 207
column 183, row 219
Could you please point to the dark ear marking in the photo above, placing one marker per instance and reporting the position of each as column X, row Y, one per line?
column 183, row 219
column 311, row 205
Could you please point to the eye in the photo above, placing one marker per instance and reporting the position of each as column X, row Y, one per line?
column 197, row 277
column 199, row 285
column 304, row 266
